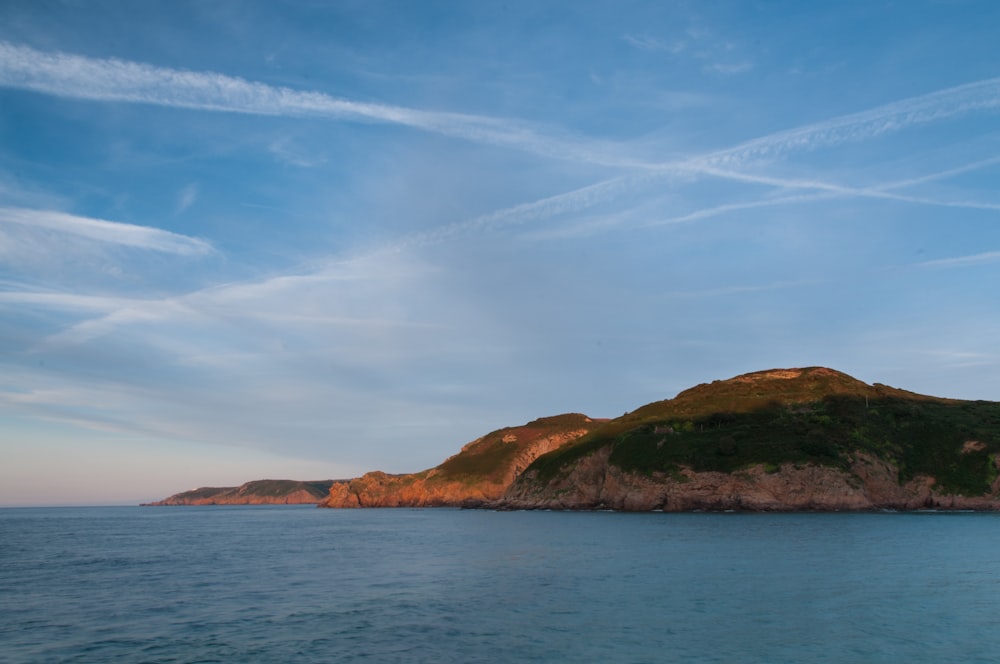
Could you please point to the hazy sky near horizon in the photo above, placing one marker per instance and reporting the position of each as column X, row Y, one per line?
column 305, row 239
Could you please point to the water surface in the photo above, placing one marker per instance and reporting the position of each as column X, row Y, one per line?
column 270, row 584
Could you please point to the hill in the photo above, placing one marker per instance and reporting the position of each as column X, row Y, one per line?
column 785, row 439
column 258, row 492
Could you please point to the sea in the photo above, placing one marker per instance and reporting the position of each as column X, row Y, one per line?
column 300, row 584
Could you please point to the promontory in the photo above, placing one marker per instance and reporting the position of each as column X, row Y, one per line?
column 257, row 492
column 778, row 440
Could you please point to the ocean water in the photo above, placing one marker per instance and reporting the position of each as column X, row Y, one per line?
column 300, row 584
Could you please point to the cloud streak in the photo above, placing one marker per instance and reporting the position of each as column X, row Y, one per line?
column 855, row 127
column 962, row 261
column 864, row 125
column 115, row 80
column 648, row 43
column 325, row 298
column 573, row 201
column 111, row 79
column 741, row 290
column 108, row 232
column 186, row 198
column 67, row 301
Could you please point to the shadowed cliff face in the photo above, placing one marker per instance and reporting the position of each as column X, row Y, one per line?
column 480, row 472
column 869, row 483
column 258, row 492
column 788, row 439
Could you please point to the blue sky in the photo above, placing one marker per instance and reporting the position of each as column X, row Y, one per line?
column 242, row 240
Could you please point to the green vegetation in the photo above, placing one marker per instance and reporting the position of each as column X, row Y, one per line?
column 490, row 457
column 205, row 492
column 820, row 417
column 249, row 492
column 281, row 488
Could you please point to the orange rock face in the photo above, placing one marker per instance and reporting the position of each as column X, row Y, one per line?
column 378, row 489
column 480, row 473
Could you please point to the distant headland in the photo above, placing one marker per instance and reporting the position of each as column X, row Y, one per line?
column 258, row 492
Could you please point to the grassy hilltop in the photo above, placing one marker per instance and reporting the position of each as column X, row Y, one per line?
column 813, row 416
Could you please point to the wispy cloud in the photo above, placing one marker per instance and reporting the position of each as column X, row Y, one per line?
column 122, row 313
column 730, row 68
column 599, row 193
column 725, row 164
column 716, row 55
column 115, row 80
column 573, row 201
column 646, row 42
column 67, row 301
column 112, row 79
column 602, row 192
column 315, row 299
column 291, row 341
column 962, row 261
column 717, row 210
column 855, row 127
column 186, row 197
column 883, row 191
column 110, row 232
column 289, row 153
column 895, row 116
column 740, row 290
column 941, row 175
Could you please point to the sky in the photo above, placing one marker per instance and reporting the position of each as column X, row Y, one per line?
column 306, row 240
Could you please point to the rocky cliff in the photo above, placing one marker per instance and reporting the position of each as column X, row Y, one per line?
column 481, row 472
column 791, row 439
column 258, row 492
column 869, row 483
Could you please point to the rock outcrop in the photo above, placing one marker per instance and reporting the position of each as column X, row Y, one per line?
column 870, row 484
column 258, row 492
column 481, row 472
